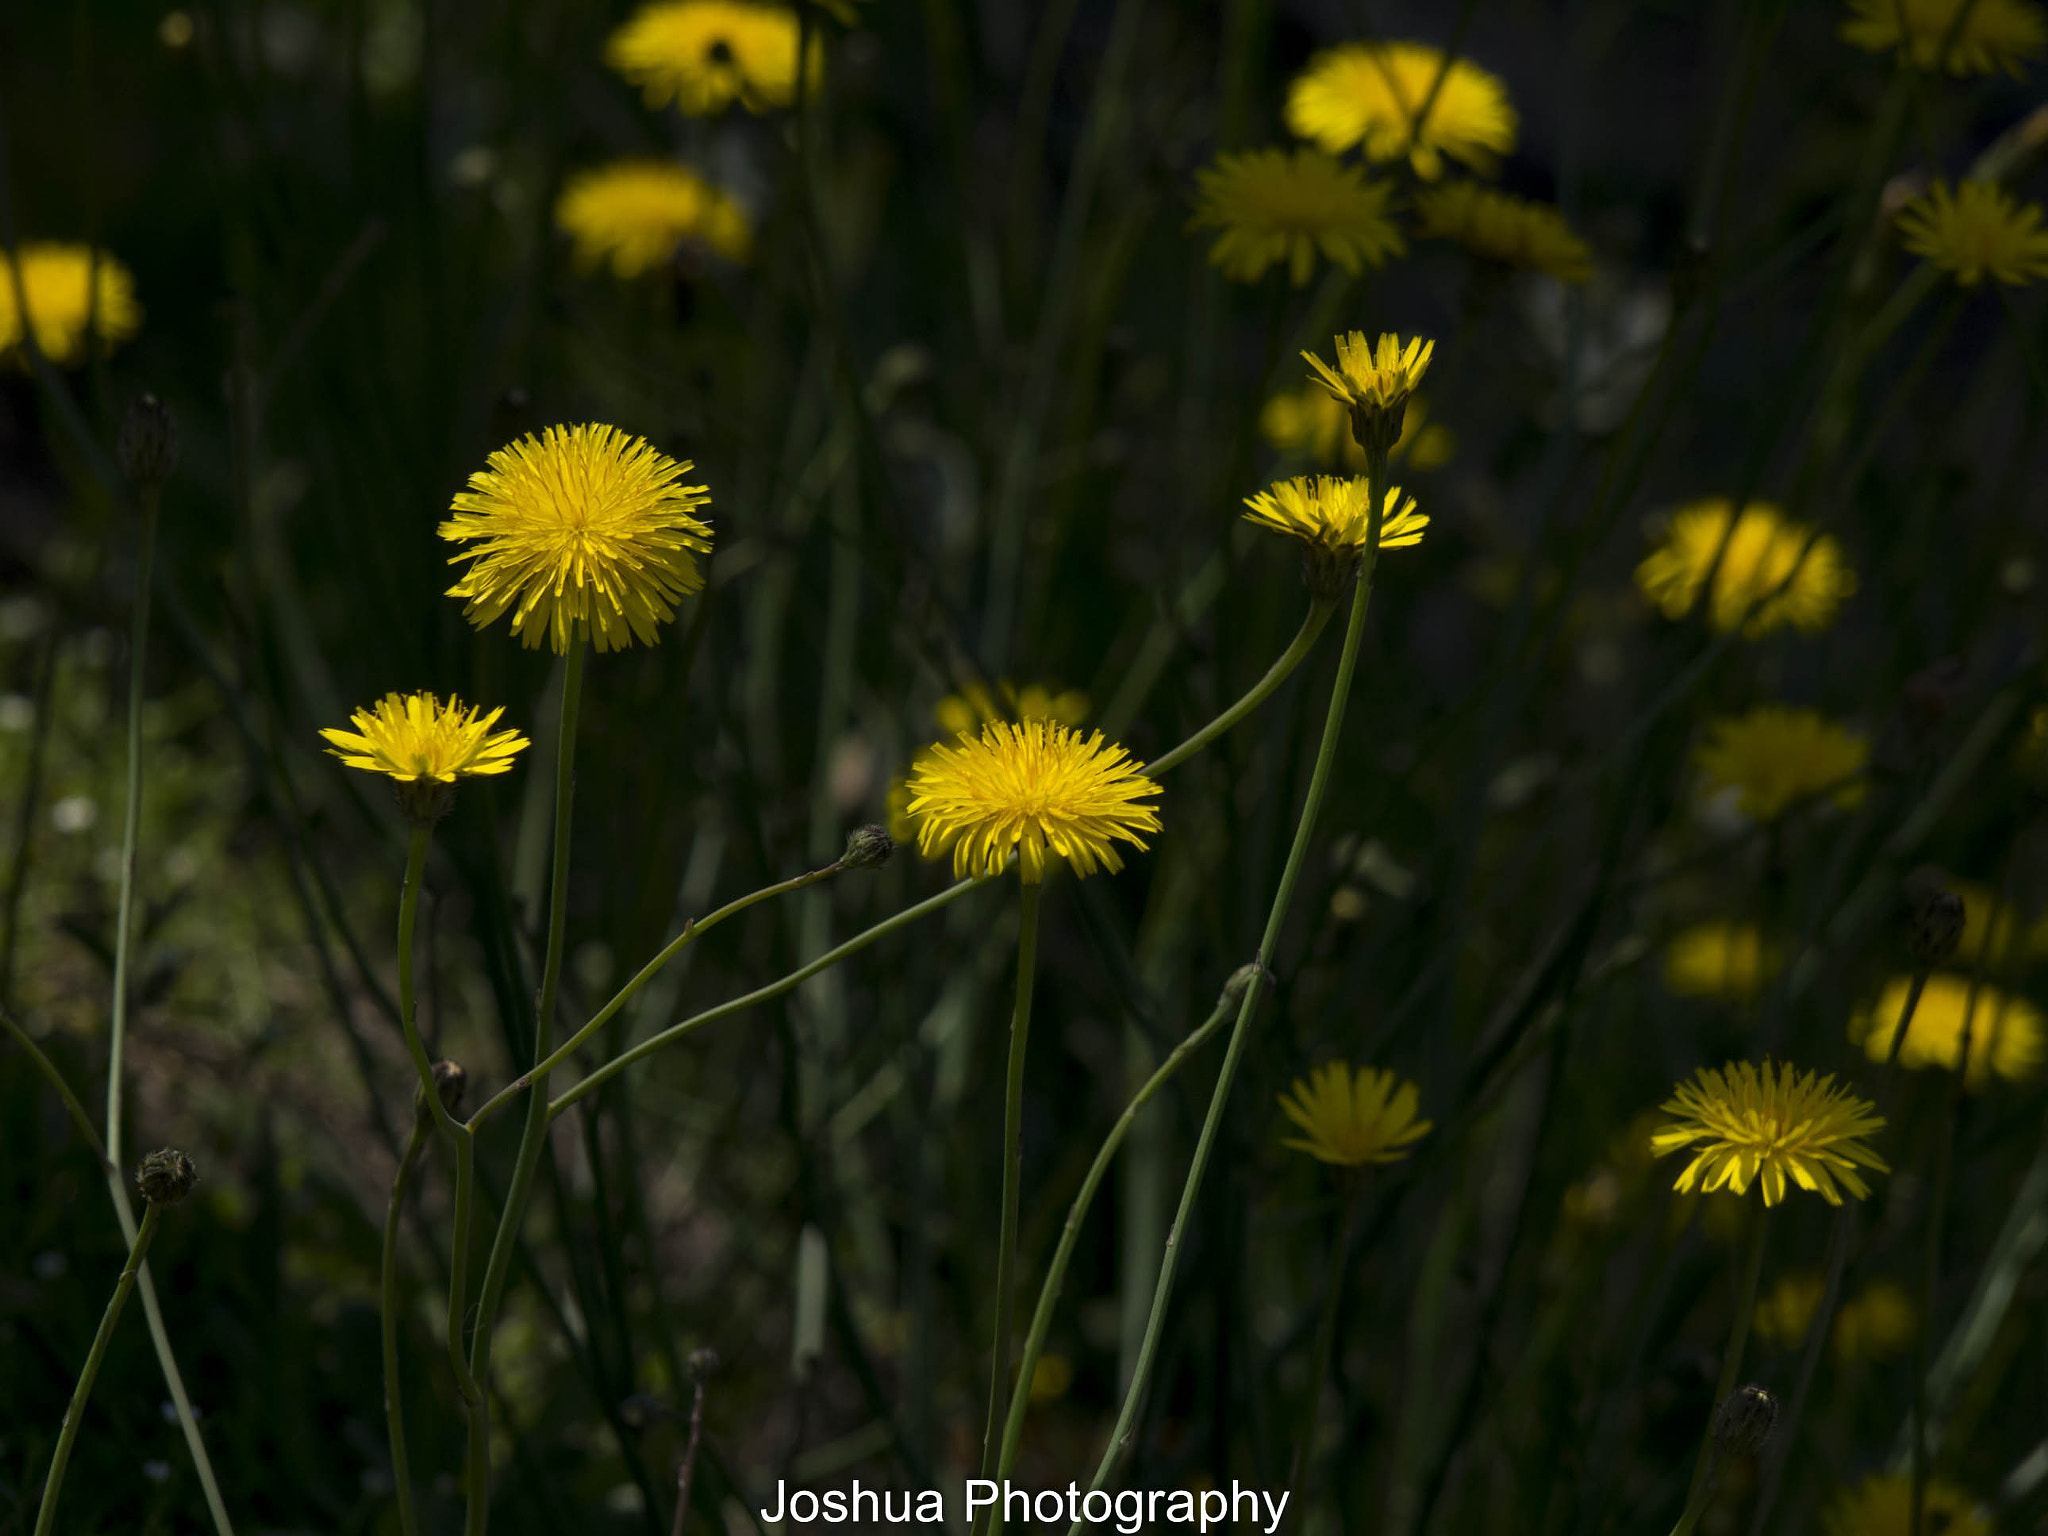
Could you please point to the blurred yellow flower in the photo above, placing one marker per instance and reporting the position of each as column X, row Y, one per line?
column 1876, row 1324
column 1775, row 756
column 584, row 532
column 1275, row 207
column 1372, row 94
column 69, row 287
column 1766, row 1125
column 1309, row 422
column 414, row 736
column 1882, row 1505
column 635, row 214
column 974, row 706
column 1050, row 1378
column 1036, row 788
column 1719, row 959
column 1993, row 931
column 703, row 55
column 1353, row 1119
column 1332, row 512
column 1996, row 35
column 1785, row 1311
column 1504, row 228
column 1976, row 231
column 1762, row 582
column 2005, row 1031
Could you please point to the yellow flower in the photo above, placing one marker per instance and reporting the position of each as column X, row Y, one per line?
column 1273, row 208
column 1374, row 381
column 1035, row 787
column 1350, row 1119
column 1876, row 1324
column 1502, row 227
column 585, row 533
column 1992, row 930
column 633, row 215
column 1332, row 513
column 1765, row 1125
column 2005, row 1031
column 63, row 284
column 1371, row 94
column 1308, row 421
column 1882, row 1505
column 1761, row 584
column 1050, row 1378
column 1728, row 960
column 965, row 712
column 1976, row 231
column 706, row 54
column 1785, row 1311
column 413, row 736
column 1997, row 35
column 1774, row 756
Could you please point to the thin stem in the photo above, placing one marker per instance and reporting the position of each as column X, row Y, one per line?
column 1029, row 897
column 46, row 1517
column 55, row 1079
column 686, row 1471
column 1703, row 1472
column 1326, row 1336
column 1319, row 611
column 138, row 649
column 394, row 1408
column 1944, row 1170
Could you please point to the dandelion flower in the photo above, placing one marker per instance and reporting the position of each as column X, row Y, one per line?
column 1993, row 932
column 1762, row 583
column 1719, row 959
column 585, row 532
column 1035, row 787
column 634, row 215
column 413, row 736
column 1374, row 380
column 1774, row 756
column 1882, row 1505
column 1875, row 1324
column 1332, row 512
column 1371, row 94
column 703, row 55
column 1997, row 35
column 1976, row 231
column 1307, row 421
column 2005, row 1031
column 1765, row 1125
column 1273, row 207
column 974, row 706
column 1353, row 1119
column 68, row 287
column 1504, row 228
column 1785, row 1311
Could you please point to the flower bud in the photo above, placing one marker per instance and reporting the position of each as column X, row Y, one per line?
column 1240, row 982
column 867, row 847
column 1744, row 1421
column 1934, row 918
column 166, row 1176
column 449, row 1082
column 148, row 443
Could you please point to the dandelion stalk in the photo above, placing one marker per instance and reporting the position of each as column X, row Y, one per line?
column 1319, row 610
column 1937, row 1213
column 55, row 1079
column 1326, row 1332
column 394, row 1407
column 1704, row 1472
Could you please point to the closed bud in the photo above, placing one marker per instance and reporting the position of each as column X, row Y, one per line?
column 1239, row 983
column 148, row 443
column 1934, row 918
column 867, row 847
column 449, row 1082
column 1744, row 1421
column 702, row 1363
column 166, row 1176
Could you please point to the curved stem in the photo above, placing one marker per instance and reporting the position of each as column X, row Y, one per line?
column 46, row 1517
column 138, row 655
column 394, row 1408
column 51, row 1075
column 1319, row 611
column 1326, row 1338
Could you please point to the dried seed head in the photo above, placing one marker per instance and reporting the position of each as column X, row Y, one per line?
column 867, row 847
column 148, row 443
column 166, row 1176
column 1744, row 1420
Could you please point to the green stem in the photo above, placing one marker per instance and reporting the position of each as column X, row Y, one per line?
column 1319, row 611
column 394, row 1408
column 1029, row 897
column 1702, row 1491
column 1944, row 1169
column 1326, row 1337
column 138, row 656
column 534, row 1139
column 56, row 1080
column 1304, row 832
column 46, row 1517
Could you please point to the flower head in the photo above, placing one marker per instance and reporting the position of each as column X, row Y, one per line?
column 1309, row 422
column 1504, row 228
column 1275, row 207
column 704, row 55
column 1993, row 932
column 1882, row 1505
column 1996, row 35
column 414, row 736
column 1876, row 1323
column 1773, row 757
column 1374, row 380
column 2005, row 1031
column 634, row 215
column 584, row 532
column 1771, row 573
column 1719, row 959
column 1333, row 513
column 1976, row 231
column 1035, row 787
column 69, row 287
column 1785, row 1311
column 1374, row 94
column 1351, row 1118
column 1766, row 1124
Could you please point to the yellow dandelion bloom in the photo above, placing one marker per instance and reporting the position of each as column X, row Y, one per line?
column 703, row 55
column 1765, row 1125
column 1332, row 512
column 1774, row 756
column 1308, row 422
column 1504, row 228
column 68, row 288
column 414, row 736
column 1373, row 379
column 1351, row 1119
column 1762, row 582
column 1996, row 35
column 584, row 532
column 1275, row 207
column 1876, row 1324
column 634, row 215
column 2005, row 1031
column 1719, row 959
column 1882, row 1505
column 1976, row 231
column 1993, row 931
column 1372, row 94
column 1785, row 1311
column 1035, row 787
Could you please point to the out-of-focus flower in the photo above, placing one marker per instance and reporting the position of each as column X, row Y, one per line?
column 71, row 289
column 1785, row 1311
column 2005, row 1031
column 1402, row 100
column 1876, row 1324
column 1976, row 231
column 1762, row 582
column 703, row 55
column 1309, row 421
column 1882, row 1505
column 1272, row 206
column 634, row 216
column 1774, row 756
column 1503, row 228
column 1719, row 959
column 1996, row 35
column 1351, row 1119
